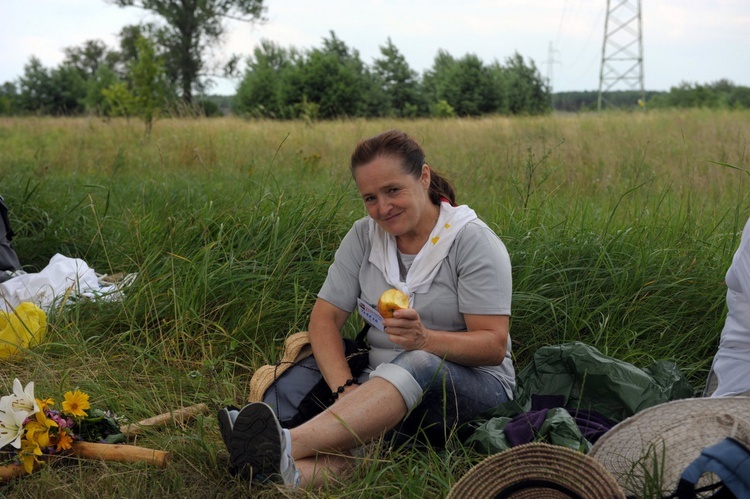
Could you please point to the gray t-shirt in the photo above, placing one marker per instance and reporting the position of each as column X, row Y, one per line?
column 475, row 278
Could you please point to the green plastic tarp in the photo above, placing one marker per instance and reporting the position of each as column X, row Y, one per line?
column 586, row 379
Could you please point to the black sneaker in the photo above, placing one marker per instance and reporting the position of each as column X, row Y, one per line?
column 255, row 442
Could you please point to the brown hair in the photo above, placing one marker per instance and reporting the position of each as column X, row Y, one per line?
column 397, row 144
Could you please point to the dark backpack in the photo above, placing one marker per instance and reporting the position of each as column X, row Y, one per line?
column 300, row 393
column 8, row 258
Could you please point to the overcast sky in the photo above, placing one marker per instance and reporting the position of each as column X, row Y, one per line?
column 698, row 41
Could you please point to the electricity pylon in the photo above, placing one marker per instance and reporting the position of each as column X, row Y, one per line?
column 550, row 62
column 622, row 49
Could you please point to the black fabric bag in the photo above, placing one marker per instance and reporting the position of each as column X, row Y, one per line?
column 8, row 257
column 300, row 392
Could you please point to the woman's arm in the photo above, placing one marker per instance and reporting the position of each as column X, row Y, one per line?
column 483, row 344
column 326, row 322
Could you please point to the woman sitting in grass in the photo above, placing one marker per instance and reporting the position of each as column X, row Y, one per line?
column 437, row 365
column 730, row 372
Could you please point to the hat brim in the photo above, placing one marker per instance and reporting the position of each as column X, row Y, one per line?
column 650, row 450
column 537, row 470
column 296, row 347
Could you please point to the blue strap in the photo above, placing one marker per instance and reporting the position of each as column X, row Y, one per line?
column 729, row 460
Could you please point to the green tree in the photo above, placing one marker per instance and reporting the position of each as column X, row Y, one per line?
column 96, row 101
column 331, row 82
column 119, row 100
column 470, row 88
column 149, row 84
column 433, row 79
column 376, row 102
column 258, row 92
column 128, row 39
column 465, row 84
column 97, row 66
column 57, row 91
column 9, row 103
column 89, row 57
column 525, row 90
column 398, row 82
column 35, row 86
column 192, row 28
column 721, row 94
column 128, row 52
column 740, row 98
column 68, row 91
column 146, row 92
column 441, row 109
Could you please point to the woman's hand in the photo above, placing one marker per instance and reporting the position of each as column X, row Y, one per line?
column 406, row 329
column 484, row 344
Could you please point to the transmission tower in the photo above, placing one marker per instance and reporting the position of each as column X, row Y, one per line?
column 550, row 62
column 622, row 49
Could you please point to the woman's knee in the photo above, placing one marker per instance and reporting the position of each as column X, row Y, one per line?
column 424, row 367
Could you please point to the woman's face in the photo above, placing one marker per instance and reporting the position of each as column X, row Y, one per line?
column 397, row 201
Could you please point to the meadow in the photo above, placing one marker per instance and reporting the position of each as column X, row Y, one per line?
column 620, row 228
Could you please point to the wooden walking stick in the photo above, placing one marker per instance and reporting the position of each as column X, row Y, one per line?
column 179, row 416
column 120, row 453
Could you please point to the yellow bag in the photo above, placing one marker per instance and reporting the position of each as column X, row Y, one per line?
column 23, row 328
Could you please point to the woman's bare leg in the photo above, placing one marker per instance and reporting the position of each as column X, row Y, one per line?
column 316, row 471
column 357, row 418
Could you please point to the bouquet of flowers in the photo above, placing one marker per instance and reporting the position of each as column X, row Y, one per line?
column 31, row 428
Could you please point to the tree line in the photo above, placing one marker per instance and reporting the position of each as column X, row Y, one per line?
column 327, row 82
column 332, row 81
column 721, row 94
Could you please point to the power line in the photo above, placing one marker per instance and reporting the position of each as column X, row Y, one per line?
column 592, row 58
column 559, row 27
column 585, row 46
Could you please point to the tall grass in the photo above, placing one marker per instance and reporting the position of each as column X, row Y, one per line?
column 620, row 228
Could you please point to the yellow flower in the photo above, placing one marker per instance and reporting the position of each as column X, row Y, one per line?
column 36, row 434
column 29, row 451
column 45, row 404
column 38, row 431
column 64, row 441
column 76, row 403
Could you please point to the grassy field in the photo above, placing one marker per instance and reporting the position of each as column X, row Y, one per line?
column 620, row 228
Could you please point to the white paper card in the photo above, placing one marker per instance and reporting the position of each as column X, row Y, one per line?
column 370, row 314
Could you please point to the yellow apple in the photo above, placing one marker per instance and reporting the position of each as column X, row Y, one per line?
column 390, row 301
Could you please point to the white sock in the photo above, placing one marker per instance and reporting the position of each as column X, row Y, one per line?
column 287, row 468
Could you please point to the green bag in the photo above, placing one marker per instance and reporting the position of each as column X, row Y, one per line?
column 591, row 380
column 586, row 379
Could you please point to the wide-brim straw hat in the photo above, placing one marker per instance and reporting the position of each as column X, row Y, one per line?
column 537, row 470
column 296, row 347
column 649, row 451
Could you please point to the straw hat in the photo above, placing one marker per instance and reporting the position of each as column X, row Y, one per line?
column 537, row 470
column 668, row 437
column 296, row 347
